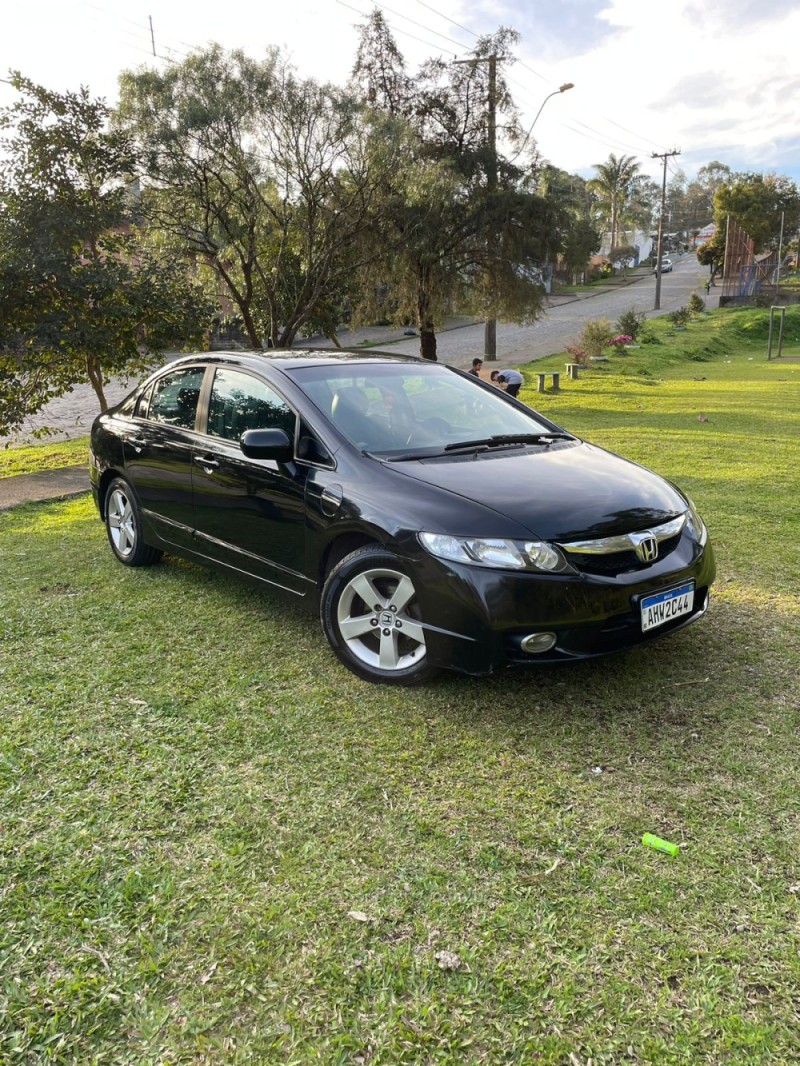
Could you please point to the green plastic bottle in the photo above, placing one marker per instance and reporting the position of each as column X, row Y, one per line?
column 651, row 841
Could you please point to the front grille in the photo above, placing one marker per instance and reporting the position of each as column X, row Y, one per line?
column 617, row 562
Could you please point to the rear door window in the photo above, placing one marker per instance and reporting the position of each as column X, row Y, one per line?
column 175, row 397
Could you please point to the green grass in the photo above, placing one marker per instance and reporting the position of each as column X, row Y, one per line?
column 605, row 281
column 195, row 796
column 32, row 458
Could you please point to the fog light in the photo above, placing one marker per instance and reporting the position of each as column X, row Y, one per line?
column 536, row 643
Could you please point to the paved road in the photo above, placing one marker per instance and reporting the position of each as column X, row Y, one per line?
column 561, row 325
column 72, row 415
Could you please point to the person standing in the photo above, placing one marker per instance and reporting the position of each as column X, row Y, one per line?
column 477, row 365
column 512, row 379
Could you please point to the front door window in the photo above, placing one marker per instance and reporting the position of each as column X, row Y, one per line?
column 239, row 402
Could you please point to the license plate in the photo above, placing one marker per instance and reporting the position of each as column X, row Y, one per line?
column 664, row 606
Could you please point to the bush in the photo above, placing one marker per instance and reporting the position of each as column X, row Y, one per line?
column 696, row 304
column 631, row 322
column 680, row 317
column 621, row 341
column 596, row 335
column 578, row 355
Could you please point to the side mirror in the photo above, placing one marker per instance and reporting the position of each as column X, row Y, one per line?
column 267, row 444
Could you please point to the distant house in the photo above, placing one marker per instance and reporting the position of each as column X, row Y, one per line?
column 705, row 234
column 644, row 243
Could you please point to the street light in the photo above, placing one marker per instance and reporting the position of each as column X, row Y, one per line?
column 562, row 89
column 490, row 327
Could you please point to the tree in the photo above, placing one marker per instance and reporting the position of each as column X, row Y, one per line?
column 624, row 254
column 379, row 72
column 581, row 237
column 613, row 188
column 438, row 207
column 83, row 292
column 268, row 179
column 757, row 202
column 713, row 176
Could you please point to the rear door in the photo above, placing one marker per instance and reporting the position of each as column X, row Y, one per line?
column 158, row 452
column 249, row 514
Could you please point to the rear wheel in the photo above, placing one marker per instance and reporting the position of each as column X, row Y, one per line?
column 372, row 620
column 124, row 526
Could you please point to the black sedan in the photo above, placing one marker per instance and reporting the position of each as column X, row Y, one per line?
column 437, row 522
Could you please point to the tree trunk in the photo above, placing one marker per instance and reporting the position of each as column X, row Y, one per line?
column 427, row 334
column 241, row 300
column 427, row 342
column 95, row 373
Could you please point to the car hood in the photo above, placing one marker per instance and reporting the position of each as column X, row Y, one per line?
column 559, row 493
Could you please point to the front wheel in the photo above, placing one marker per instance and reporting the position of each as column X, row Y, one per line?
column 124, row 526
column 371, row 618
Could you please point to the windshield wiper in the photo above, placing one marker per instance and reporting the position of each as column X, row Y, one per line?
column 501, row 439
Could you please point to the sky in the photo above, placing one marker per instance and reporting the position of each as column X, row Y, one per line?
column 716, row 81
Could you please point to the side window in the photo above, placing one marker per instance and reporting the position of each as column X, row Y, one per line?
column 174, row 398
column 240, row 402
column 310, row 448
column 144, row 400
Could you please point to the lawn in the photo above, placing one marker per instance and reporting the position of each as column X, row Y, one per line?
column 35, row 457
column 218, row 846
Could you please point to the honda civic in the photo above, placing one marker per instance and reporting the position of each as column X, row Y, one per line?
column 433, row 521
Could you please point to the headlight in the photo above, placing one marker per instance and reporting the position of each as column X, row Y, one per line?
column 500, row 554
column 696, row 521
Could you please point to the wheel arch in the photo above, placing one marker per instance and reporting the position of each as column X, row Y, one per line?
column 102, row 487
column 342, row 546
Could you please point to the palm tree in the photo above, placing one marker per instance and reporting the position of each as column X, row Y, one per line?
column 613, row 186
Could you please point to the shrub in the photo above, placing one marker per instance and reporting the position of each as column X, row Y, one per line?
column 579, row 355
column 648, row 337
column 621, row 340
column 631, row 322
column 596, row 335
column 680, row 317
column 696, row 304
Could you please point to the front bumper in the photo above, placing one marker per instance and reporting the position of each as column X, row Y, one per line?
column 476, row 617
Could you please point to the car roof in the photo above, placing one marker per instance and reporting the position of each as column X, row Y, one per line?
column 294, row 358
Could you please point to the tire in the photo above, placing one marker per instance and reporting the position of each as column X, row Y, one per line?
column 124, row 526
column 358, row 591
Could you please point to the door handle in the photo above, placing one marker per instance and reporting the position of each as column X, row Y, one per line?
column 138, row 443
column 205, row 460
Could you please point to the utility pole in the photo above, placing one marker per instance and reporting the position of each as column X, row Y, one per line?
column 665, row 156
column 490, row 326
column 490, row 329
column 778, row 271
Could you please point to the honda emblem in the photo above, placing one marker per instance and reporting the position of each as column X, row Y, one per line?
column 646, row 546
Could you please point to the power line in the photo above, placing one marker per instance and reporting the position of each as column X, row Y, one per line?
column 413, row 22
column 598, row 138
column 605, row 136
column 633, row 132
column 448, row 19
column 143, row 35
column 532, row 71
column 113, row 14
column 396, row 29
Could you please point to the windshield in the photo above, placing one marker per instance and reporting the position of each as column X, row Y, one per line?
column 407, row 410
